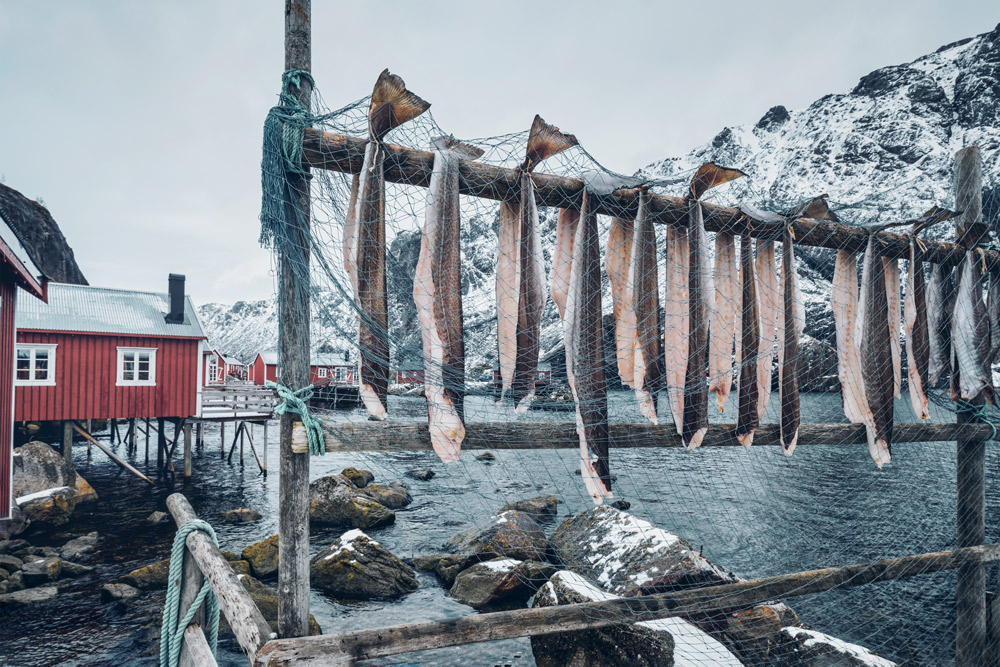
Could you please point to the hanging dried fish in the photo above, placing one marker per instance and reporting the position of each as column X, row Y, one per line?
column 792, row 325
column 723, row 327
column 845, row 313
column 770, row 312
column 940, row 301
column 617, row 260
column 351, row 236
column 917, row 347
column 676, row 320
column 437, row 294
column 391, row 105
column 562, row 260
column 892, row 295
column 872, row 332
column 644, row 286
column 970, row 333
column 749, row 342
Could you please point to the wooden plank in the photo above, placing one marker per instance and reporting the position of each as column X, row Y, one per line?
column 409, row 166
column 342, row 648
column 114, row 457
column 248, row 624
column 387, row 435
column 293, row 358
column 191, row 582
column 195, row 649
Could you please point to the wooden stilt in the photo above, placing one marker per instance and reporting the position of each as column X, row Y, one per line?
column 222, row 437
column 68, row 443
column 147, row 440
column 242, row 429
column 161, row 443
column 264, row 457
column 201, row 435
column 187, row 450
column 111, row 454
column 112, row 429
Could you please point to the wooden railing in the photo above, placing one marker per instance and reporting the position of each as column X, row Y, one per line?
column 237, row 401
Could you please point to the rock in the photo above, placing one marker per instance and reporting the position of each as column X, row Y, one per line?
column 52, row 507
column 38, row 467
column 507, row 535
column 344, row 505
column 393, row 495
column 486, row 457
column 241, row 516
column 421, row 474
column 41, row 571
column 630, row 556
column 539, row 507
column 263, row 557
column 808, row 648
column 817, row 370
column 79, row 546
column 666, row 641
column 266, row 599
column 500, row 583
column 158, row 518
column 110, row 592
column 229, row 555
column 240, row 566
column 15, row 525
column 360, row 478
column 356, row 566
column 148, row 577
column 10, row 546
column 445, row 566
column 753, row 633
column 29, row 596
column 10, row 563
column 621, row 504
column 70, row 569
column 14, row 583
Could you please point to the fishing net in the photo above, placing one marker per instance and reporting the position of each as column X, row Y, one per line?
column 750, row 511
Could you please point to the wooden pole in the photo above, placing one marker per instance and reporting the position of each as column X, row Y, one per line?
column 161, row 442
column 68, row 443
column 346, row 647
column 114, row 457
column 147, row 440
column 264, row 448
column 191, row 582
column 293, row 359
column 970, row 594
column 187, row 450
column 222, row 437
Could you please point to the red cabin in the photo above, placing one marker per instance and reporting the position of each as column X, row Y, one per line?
column 324, row 368
column 94, row 353
column 543, row 375
column 16, row 270
column 213, row 371
column 410, row 373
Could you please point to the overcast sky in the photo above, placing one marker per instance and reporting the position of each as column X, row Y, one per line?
column 139, row 123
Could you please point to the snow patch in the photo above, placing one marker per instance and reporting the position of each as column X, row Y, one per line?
column 40, row 494
column 852, row 650
column 503, row 565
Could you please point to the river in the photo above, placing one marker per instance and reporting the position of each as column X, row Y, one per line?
column 754, row 512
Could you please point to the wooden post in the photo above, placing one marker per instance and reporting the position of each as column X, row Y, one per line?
column 191, row 581
column 222, row 437
column 187, row 450
column 161, row 442
column 264, row 454
column 147, row 440
column 68, row 443
column 242, row 430
column 293, row 360
column 970, row 593
column 201, row 434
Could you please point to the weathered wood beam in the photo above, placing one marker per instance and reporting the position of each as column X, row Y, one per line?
column 380, row 436
column 195, row 649
column 338, row 152
column 248, row 624
column 346, row 647
column 114, row 457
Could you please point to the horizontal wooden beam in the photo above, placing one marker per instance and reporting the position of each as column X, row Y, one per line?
column 371, row 436
column 338, row 152
column 346, row 647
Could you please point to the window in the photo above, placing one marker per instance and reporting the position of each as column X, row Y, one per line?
column 35, row 365
column 136, row 366
column 213, row 369
column 322, row 372
column 341, row 374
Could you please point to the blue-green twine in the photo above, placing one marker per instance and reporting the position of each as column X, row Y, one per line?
column 979, row 414
column 172, row 629
column 297, row 402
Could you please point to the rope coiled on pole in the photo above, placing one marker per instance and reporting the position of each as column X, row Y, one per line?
column 297, row 402
column 172, row 629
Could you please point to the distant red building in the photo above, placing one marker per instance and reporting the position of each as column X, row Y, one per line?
column 217, row 368
column 324, row 368
column 410, row 373
column 17, row 270
column 95, row 353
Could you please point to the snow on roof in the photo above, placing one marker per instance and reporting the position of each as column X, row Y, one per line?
column 270, row 358
column 232, row 361
column 85, row 309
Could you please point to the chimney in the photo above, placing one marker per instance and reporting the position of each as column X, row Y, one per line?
column 176, row 288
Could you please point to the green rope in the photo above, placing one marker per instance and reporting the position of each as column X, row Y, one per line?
column 979, row 414
column 172, row 630
column 297, row 402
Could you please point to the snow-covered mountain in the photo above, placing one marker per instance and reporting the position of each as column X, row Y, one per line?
column 883, row 152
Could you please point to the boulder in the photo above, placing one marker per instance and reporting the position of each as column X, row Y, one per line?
column 110, row 592
column 239, row 566
column 15, row 525
column 148, row 577
column 28, row 596
column 356, row 566
column 38, row 467
column 422, row 474
column 42, row 571
column 666, row 641
column 266, row 599
column 52, row 507
column 486, row 457
column 14, row 583
column 445, row 566
column 158, row 518
column 621, row 504
column 241, row 516
column 79, row 546
column 807, row 648
column 500, row 583
column 754, row 633
column 10, row 563
column 629, row 556
column 73, row 570
column 393, row 495
column 507, row 535
column 360, row 478
column 539, row 507
column 345, row 506
column 10, row 546
column 263, row 557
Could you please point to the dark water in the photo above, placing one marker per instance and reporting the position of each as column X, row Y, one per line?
column 754, row 511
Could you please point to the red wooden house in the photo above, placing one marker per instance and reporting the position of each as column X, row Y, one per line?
column 235, row 368
column 410, row 372
column 17, row 270
column 213, row 368
column 324, row 368
column 95, row 353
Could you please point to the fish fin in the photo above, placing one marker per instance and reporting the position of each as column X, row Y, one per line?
column 746, row 439
column 525, row 403
column 544, row 141
column 710, row 175
column 450, row 143
column 789, row 448
column 373, row 403
column 392, row 105
column 816, row 208
column 647, row 405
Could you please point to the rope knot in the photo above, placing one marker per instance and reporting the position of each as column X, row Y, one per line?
column 174, row 625
column 297, row 402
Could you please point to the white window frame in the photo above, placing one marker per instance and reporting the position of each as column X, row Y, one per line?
column 213, row 369
column 322, row 371
column 50, row 380
column 120, row 382
column 340, row 374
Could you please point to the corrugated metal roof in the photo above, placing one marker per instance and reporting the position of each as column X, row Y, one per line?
column 270, row 358
column 82, row 308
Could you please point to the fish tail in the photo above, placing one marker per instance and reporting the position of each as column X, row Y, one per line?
column 373, row 403
column 450, row 143
column 696, row 439
column 816, row 208
column 446, row 431
column 392, row 105
column 788, row 447
column 710, row 175
column 525, row 403
column 745, row 439
column 544, row 141
column 647, row 405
